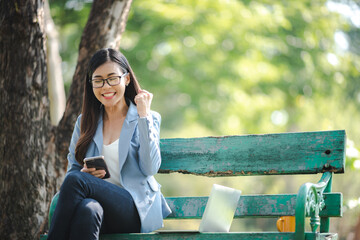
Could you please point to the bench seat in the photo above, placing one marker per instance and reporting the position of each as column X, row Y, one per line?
column 192, row 235
column 189, row 235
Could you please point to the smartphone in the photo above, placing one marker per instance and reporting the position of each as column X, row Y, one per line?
column 99, row 163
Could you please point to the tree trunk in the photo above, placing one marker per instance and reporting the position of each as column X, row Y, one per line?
column 31, row 167
column 357, row 230
column 55, row 80
column 24, row 118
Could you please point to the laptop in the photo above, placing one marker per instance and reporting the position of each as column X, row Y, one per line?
column 220, row 209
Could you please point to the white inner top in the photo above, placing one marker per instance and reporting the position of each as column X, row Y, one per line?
column 111, row 154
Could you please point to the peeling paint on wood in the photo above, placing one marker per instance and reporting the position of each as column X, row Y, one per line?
column 194, row 235
column 268, row 154
column 254, row 205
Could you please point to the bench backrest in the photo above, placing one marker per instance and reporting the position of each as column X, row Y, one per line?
column 268, row 154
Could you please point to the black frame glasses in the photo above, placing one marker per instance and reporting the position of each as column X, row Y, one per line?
column 111, row 82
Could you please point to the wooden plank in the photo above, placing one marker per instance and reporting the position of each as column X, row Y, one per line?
column 232, row 235
column 197, row 235
column 253, row 205
column 193, row 235
column 268, row 154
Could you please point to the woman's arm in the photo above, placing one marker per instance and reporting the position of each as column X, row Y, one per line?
column 73, row 165
column 149, row 150
column 149, row 132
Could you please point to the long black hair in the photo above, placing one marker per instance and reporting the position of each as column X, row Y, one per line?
column 91, row 107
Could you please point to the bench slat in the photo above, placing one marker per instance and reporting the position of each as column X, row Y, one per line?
column 232, row 235
column 267, row 154
column 253, row 205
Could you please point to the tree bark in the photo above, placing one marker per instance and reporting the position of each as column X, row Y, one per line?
column 357, row 230
column 33, row 153
column 55, row 80
column 24, row 118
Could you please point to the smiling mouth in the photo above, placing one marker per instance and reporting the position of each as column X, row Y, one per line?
column 108, row 95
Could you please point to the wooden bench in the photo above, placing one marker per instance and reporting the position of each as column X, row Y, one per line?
column 249, row 155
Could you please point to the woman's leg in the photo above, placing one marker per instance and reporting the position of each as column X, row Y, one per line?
column 120, row 216
column 117, row 204
column 87, row 220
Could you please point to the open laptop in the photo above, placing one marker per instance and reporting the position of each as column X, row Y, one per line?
column 220, row 209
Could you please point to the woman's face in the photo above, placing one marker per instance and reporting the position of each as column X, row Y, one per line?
column 108, row 95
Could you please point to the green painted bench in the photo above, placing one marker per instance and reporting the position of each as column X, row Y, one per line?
column 249, row 155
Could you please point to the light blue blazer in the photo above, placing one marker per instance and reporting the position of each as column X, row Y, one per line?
column 140, row 159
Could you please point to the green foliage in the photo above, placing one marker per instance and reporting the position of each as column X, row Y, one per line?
column 70, row 18
column 232, row 67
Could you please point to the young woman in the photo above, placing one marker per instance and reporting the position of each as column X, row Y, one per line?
column 116, row 122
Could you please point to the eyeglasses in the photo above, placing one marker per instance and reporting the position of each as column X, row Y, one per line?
column 112, row 81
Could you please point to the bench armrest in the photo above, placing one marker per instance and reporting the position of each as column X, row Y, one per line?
column 310, row 202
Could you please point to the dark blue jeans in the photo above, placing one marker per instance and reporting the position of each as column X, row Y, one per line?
column 88, row 206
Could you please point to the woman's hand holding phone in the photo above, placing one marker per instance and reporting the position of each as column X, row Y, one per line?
column 96, row 166
column 93, row 171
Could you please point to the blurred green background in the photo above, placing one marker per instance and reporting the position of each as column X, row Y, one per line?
column 242, row 67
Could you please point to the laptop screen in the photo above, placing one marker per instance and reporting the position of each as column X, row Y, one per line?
column 220, row 209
